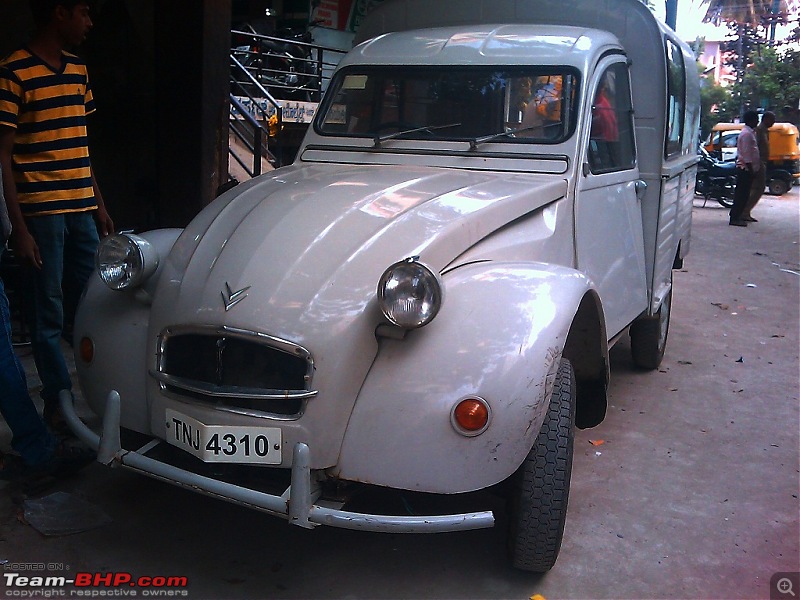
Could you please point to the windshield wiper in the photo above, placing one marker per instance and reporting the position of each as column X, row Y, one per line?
column 473, row 144
column 378, row 139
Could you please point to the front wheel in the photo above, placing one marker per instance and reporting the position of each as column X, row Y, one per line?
column 724, row 200
column 649, row 336
column 540, row 490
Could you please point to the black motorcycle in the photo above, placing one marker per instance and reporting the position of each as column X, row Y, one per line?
column 715, row 179
column 282, row 62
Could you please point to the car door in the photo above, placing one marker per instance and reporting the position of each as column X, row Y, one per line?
column 608, row 216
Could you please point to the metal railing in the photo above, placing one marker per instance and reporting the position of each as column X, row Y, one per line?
column 290, row 69
column 266, row 71
column 251, row 126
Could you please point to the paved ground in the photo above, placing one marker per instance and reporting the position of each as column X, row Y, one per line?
column 691, row 492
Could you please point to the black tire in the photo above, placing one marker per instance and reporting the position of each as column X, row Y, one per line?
column 649, row 336
column 724, row 201
column 778, row 186
column 540, row 487
column 701, row 185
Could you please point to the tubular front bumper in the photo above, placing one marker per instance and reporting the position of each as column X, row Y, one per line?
column 297, row 504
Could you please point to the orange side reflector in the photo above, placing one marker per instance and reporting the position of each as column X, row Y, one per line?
column 471, row 414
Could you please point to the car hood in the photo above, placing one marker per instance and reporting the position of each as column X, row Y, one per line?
column 311, row 241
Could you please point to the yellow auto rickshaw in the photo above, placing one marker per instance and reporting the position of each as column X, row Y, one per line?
column 783, row 164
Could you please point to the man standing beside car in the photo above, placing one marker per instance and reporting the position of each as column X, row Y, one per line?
column 748, row 163
column 760, row 179
column 48, row 182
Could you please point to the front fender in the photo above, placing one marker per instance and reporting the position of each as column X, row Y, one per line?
column 116, row 323
column 499, row 335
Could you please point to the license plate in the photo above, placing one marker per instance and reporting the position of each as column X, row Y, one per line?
column 224, row 443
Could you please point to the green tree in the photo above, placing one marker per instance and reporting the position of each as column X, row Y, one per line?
column 752, row 33
column 750, row 12
column 715, row 100
column 715, row 105
column 771, row 80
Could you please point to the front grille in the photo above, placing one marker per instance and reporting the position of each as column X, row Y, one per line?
column 236, row 370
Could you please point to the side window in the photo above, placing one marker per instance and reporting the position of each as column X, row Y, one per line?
column 676, row 100
column 730, row 141
column 611, row 141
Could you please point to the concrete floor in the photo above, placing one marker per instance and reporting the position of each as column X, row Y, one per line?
column 693, row 492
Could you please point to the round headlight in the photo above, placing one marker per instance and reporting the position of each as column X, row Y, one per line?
column 410, row 294
column 125, row 260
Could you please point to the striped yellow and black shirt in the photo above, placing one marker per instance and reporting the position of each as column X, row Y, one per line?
column 48, row 109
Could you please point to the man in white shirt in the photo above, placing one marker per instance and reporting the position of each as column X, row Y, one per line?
column 748, row 162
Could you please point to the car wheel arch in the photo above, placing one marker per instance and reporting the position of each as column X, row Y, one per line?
column 587, row 349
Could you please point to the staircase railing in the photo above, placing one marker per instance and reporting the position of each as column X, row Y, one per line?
column 266, row 73
column 251, row 126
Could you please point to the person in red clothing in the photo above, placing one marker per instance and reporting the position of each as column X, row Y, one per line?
column 604, row 118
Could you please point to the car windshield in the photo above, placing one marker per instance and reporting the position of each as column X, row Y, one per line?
column 520, row 105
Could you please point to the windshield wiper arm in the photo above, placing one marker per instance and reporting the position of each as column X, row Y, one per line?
column 378, row 139
column 473, row 144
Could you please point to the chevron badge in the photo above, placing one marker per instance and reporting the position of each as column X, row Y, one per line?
column 231, row 298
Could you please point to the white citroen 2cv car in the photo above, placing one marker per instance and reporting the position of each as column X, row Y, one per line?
column 492, row 193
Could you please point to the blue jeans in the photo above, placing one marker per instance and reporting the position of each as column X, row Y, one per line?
column 30, row 437
column 67, row 244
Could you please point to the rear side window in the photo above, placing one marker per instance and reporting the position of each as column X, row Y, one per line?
column 676, row 100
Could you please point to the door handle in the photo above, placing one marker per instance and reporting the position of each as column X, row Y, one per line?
column 641, row 188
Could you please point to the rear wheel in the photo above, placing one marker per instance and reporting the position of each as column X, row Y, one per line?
column 649, row 336
column 540, row 490
column 701, row 184
column 778, row 186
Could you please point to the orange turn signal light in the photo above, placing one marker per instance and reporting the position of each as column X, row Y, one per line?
column 471, row 415
column 86, row 350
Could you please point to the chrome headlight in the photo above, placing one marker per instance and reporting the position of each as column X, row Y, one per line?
column 410, row 294
column 124, row 260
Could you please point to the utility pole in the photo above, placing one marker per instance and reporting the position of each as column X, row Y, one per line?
column 672, row 13
column 773, row 20
column 740, row 63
